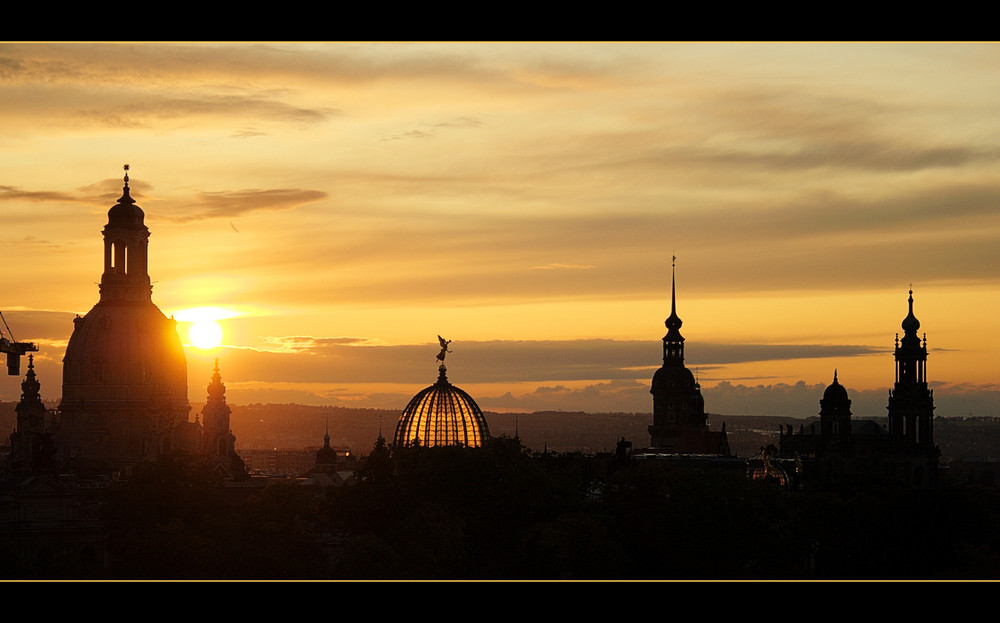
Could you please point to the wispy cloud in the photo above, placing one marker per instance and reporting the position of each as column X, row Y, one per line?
column 307, row 359
column 430, row 130
column 13, row 193
column 228, row 204
column 558, row 266
column 520, row 183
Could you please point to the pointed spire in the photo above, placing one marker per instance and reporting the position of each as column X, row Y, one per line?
column 30, row 386
column 326, row 437
column 673, row 322
column 673, row 277
column 910, row 323
column 126, row 199
column 673, row 341
column 216, row 389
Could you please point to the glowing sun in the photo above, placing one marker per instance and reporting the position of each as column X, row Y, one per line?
column 203, row 329
column 205, row 333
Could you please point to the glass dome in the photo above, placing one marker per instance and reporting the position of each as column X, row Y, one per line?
column 441, row 415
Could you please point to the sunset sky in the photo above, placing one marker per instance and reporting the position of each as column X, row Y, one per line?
column 345, row 203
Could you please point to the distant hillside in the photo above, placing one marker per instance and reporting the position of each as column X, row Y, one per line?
column 300, row 426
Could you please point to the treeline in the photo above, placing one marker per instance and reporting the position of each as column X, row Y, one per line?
column 499, row 512
column 299, row 426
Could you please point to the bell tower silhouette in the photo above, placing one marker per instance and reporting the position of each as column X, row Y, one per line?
column 678, row 406
column 835, row 412
column 126, row 247
column 911, row 403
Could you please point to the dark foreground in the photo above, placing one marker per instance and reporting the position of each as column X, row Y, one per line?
column 501, row 513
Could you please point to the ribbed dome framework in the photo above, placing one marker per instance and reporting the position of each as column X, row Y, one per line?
column 442, row 415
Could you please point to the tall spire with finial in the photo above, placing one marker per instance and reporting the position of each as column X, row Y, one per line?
column 673, row 341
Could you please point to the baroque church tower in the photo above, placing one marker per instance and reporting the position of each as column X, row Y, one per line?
column 835, row 412
column 124, row 397
column 31, row 448
column 679, row 420
column 218, row 440
column 904, row 454
column 911, row 403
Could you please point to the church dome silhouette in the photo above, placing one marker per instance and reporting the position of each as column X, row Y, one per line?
column 441, row 415
column 673, row 379
column 124, row 393
column 126, row 213
column 835, row 394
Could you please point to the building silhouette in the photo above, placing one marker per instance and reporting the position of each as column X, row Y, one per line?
column 125, row 394
column 31, row 444
column 326, row 456
column 844, row 448
column 441, row 415
column 217, row 438
column 50, row 524
column 680, row 424
column 911, row 402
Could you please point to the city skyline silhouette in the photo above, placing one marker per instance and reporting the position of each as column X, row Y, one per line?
column 525, row 200
column 298, row 221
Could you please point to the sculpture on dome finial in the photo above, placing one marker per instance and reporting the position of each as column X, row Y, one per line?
column 444, row 349
column 126, row 174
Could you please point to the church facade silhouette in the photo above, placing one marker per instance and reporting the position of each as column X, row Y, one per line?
column 680, row 424
column 846, row 449
column 124, row 393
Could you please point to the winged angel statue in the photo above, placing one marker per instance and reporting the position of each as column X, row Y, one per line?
column 444, row 348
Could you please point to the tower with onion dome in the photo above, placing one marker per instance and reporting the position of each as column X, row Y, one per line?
column 31, row 449
column 218, row 440
column 680, row 424
column 911, row 402
column 864, row 449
